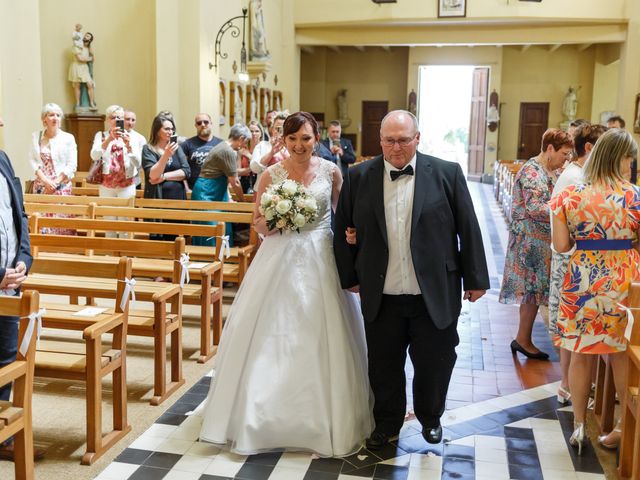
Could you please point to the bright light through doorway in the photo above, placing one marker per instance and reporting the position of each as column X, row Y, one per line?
column 444, row 111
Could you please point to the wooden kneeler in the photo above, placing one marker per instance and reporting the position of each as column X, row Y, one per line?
column 92, row 365
column 16, row 416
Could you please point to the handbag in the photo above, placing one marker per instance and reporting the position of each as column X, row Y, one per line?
column 95, row 170
column 95, row 173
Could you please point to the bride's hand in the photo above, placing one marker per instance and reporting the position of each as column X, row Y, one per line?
column 261, row 227
column 350, row 232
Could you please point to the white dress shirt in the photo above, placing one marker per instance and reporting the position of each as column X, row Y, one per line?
column 398, row 205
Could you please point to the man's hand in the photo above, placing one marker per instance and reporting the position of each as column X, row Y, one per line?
column 355, row 289
column 350, row 234
column 14, row 277
column 473, row 295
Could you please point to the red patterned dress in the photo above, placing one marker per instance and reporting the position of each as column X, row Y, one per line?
column 38, row 187
column 117, row 176
column 590, row 319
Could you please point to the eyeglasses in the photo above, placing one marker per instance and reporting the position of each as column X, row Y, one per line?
column 202, row 122
column 402, row 142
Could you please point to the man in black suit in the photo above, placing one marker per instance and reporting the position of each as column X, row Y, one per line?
column 15, row 260
column 342, row 153
column 417, row 237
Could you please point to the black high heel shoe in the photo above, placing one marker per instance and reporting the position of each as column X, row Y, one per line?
column 516, row 347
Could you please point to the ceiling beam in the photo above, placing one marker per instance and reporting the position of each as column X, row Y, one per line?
column 553, row 48
column 307, row 49
column 334, row 48
column 360, row 48
column 583, row 47
column 524, row 48
column 386, row 48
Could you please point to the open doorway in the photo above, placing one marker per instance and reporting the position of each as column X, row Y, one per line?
column 452, row 114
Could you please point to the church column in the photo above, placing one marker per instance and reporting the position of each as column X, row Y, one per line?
column 20, row 79
column 629, row 83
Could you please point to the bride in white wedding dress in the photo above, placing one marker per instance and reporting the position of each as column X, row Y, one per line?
column 291, row 368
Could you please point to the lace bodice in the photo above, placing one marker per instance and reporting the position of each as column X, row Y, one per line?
column 320, row 187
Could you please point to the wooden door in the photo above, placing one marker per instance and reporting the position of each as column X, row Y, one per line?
column 372, row 114
column 534, row 121
column 478, row 123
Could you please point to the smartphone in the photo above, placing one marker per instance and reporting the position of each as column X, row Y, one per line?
column 120, row 124
column 173, row 139
column 279, row 130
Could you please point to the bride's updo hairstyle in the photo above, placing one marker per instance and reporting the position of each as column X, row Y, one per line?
column 295, row 121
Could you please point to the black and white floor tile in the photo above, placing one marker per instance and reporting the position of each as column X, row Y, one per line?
column 520, row 436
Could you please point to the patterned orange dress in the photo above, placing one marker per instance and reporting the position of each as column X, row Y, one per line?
column 603, row 220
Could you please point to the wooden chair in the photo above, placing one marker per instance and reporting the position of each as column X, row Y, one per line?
column 94, row 362
column 16, row 416
column 157, row 324
column 629, row 460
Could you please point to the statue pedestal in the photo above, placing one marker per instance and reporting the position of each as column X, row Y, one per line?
column 84, row 126
column 257, row 68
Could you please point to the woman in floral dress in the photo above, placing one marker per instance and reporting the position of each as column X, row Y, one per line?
column 602, row 218
column 526, row 270
column 54, row 158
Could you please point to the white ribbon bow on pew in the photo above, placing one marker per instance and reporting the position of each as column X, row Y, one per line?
column 130, row 283
column 184, row 272
column 226, row 248
column 35, row 322
column 630, row 321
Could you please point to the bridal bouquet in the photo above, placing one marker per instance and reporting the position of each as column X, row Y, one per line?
column 288, row 206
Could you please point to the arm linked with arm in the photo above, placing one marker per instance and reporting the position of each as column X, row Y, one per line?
column 345, row 254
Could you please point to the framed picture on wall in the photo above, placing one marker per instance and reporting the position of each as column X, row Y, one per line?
column 265, row 101
column 277, row 101
column 636, row 116
column 223, row 102
column 452, row 8
column 236, row 103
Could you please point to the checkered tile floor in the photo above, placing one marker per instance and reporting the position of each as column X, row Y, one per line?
column 518, row 436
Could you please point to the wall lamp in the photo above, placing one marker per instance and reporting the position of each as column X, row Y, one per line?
column 235, row 32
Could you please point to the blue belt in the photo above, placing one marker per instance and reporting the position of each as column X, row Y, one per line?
column 604, row 244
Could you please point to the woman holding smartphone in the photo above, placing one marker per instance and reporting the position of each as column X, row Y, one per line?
column 165, row 165
column 120, row 158
column 270, row 152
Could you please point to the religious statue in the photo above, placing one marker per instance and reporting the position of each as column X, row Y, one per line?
column 413, row 102
column 81, row 70
column 258, row 50
column 343, row 116
column 570, row 105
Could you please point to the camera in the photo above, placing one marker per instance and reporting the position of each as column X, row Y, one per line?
column 173, row 139
column 120, row 123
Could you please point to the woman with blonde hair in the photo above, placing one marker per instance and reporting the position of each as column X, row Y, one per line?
column 53, row 154
column 601, row 217
column 54, row 158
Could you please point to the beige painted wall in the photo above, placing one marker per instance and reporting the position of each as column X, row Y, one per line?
column 479, row 56
column 538, row 75
column 20, row 79
column 124, row 67
column 605, row 95
column 374, row 74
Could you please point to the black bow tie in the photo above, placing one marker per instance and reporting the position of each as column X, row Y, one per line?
column 395, row 174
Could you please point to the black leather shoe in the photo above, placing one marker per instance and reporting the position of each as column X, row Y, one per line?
column 377, row 440
column 516, row 347
column 433, row 435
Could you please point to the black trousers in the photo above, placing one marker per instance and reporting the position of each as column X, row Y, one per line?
column 404, row 323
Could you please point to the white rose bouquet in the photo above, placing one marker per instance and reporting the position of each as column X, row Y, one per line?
column 288, row 206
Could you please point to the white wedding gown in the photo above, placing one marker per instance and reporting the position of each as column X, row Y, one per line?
column 291, row 369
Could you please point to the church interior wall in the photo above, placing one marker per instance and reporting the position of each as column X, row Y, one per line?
column 372, row 74
column 539, row 75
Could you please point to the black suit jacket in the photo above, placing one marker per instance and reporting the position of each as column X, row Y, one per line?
column 19, row 216
column 348, row 156
column 446, row 243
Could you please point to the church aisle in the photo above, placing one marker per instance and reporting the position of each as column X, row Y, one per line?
column 502, row 419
